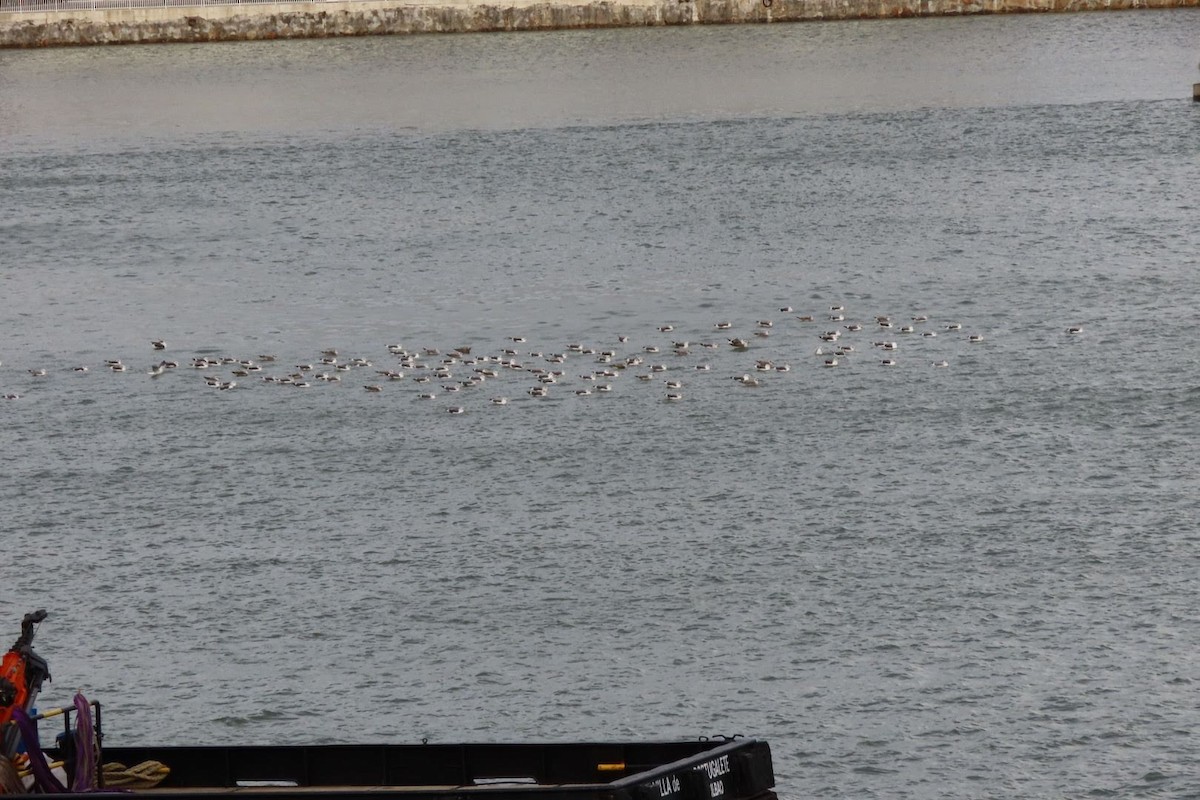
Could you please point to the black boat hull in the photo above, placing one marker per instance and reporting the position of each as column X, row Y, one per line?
column 719, row 769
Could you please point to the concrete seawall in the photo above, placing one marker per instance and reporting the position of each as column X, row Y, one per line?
column 381, row 17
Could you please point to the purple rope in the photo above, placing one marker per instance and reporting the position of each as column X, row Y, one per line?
column 46, row 781
column 85, row 746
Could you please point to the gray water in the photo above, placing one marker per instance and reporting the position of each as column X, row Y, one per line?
column 976, row 580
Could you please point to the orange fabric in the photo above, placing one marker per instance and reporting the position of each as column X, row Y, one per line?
column 12, row 669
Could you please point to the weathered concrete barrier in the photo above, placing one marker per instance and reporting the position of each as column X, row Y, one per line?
column 380, row 17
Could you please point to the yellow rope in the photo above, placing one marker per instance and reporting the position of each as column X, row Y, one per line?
column 145, row 775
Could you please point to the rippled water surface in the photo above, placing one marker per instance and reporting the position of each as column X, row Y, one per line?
column 970, row 580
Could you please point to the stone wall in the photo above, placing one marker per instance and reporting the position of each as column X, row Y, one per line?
column 376, row 17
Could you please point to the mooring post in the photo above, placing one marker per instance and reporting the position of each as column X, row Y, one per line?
column 1196, row 92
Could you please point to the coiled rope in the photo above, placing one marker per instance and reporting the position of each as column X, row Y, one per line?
column 10, row 782
column 145, row 775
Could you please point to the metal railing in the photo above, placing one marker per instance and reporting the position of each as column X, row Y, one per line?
column 39, row 6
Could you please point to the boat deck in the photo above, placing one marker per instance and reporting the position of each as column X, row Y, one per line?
column 708, row 769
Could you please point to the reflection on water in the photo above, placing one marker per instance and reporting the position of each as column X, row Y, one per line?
column 435, row 82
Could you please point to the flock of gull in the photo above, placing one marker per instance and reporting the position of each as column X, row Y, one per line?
column 665, row 359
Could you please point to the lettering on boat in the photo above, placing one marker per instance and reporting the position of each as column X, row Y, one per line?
column 667, row 785
column 715, row 770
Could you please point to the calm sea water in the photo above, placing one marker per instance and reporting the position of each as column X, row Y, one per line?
column 970, row 580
